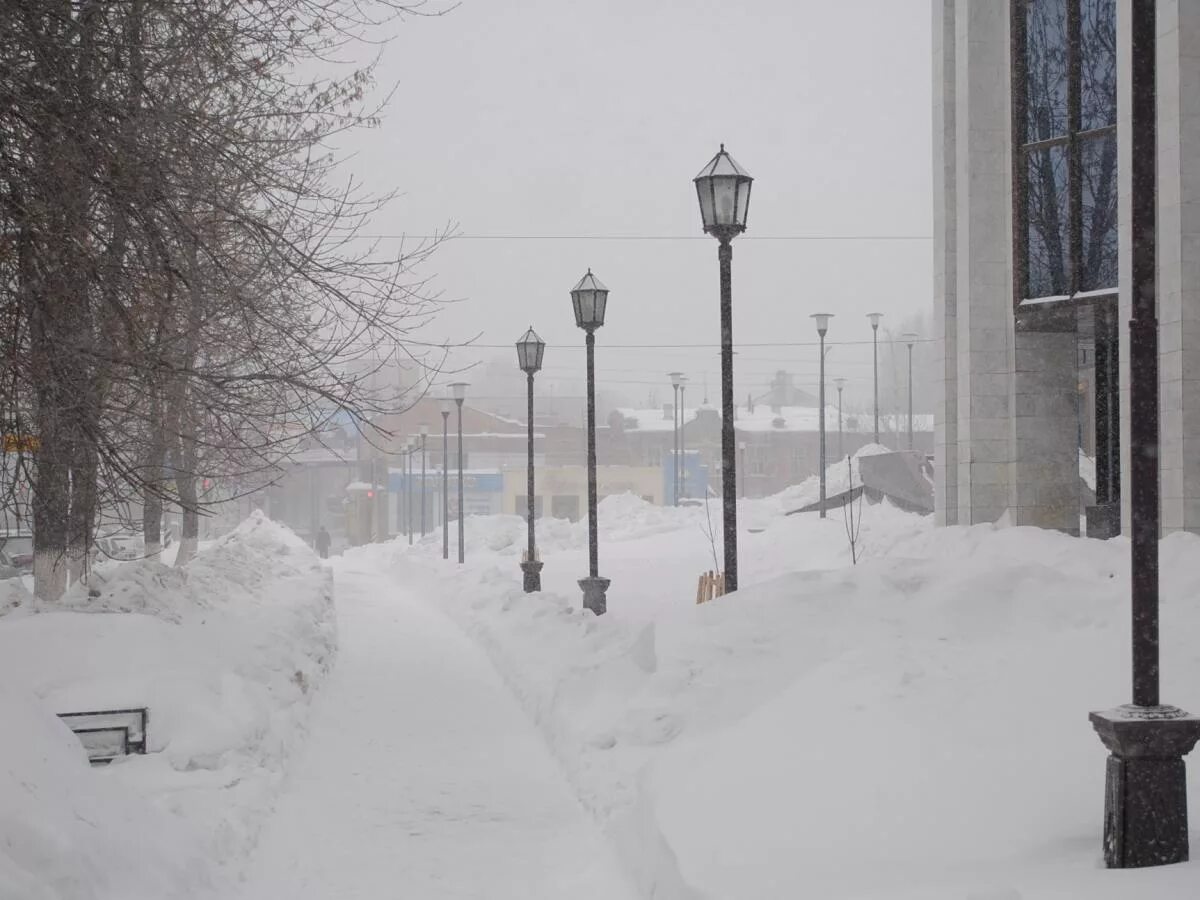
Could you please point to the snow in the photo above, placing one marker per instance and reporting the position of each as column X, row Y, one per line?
column 423, row 777
column 1087, row 470
column 225, row 653
column 911, row 727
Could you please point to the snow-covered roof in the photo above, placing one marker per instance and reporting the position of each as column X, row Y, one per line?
column 790, row 418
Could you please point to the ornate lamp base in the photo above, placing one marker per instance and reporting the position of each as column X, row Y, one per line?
column 533, row 575
column 594, row 594
column 1145, row 796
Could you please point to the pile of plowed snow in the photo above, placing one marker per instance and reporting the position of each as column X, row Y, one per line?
column 225, row 653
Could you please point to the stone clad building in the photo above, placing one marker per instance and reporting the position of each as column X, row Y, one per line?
column 1031, row 105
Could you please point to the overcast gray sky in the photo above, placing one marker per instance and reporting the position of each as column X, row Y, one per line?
column 552, row 118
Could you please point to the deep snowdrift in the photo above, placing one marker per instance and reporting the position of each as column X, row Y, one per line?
column 915, row 726
column 225, row 653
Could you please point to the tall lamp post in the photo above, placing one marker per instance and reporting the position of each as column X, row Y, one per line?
column 530, row 349
column 408, row 486
column 841, row 383
column 723, row 188
column 822, row 320
column 424, row 438
column 460, row 394
column 1145, row 796
column 875, row 317
column 590, row 299
column 909, row 338
column 683, row 436
column 445, row 410
column 676, row 380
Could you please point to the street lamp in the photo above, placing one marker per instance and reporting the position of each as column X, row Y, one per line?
column 822, row 320
column 841, row 383
column 682, row 436
column 590, row 299
column 676, row 381
column 723, row 188
column 1145, row 796
column 445, row 410
column 424, row 437
column 875, row 317
column 910, row 338
column 460, row 394
column 530, row 349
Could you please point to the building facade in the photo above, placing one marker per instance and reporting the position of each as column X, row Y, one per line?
column 1032, row 246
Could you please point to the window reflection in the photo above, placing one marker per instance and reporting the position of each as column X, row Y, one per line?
column 1068, row 189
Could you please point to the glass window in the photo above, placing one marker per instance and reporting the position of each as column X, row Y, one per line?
column 1047, row 217
column 1046, row 70
column 1098, row 172
column 1065, row 113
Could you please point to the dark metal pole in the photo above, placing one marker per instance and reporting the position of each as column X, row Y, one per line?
column 1145, row 797
column 593, row 540
column 910, row 406
column 445, row 485
column 675, row 448
column 422, row 485
column 408, row 489
column 531, row 566
column 594, row 587
column 1143, row 364
column 841, row 447
column 821, row 404
column 875, row 355
column 461, row 505
column 728, row 437
column 682, row 437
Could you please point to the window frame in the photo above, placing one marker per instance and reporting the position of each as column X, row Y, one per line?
column 1074, row 140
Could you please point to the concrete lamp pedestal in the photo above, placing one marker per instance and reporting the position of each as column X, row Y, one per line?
column 533, row 575
column 594, row 594
column 1145, row 798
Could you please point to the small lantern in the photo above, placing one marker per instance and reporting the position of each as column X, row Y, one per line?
column 875, row 317
column 459, row 389
column 822, row 320
column 445, row 406
column 424, row 431
column 676, row 378
column 530, row 349
column 723, row 188
column 910, row 338
column 589, row 298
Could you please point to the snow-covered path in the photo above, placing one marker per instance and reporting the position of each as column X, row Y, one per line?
column 422, row 778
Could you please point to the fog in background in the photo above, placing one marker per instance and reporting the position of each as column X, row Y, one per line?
column 539, row 127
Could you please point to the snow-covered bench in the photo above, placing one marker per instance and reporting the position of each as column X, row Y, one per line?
column 109, row 733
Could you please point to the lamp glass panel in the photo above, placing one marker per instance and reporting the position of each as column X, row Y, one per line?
column 743, row 203
column 725, row 200
column 704, row 192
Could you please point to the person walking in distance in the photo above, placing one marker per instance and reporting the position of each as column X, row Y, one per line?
column 323, row 542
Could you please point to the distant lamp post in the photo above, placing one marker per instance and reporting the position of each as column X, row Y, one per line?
column 676, row 381
column 822, row 320
column 909, row 338
column 745, row 471
column 875, row 317
column 409, row 446
column 424, row 438
column 1145, row 796
column 530, row 350
column 723, row 188
column 683, row 491
column 590, row 299
column 445, row 410
column 841, row 383
column 460, row 394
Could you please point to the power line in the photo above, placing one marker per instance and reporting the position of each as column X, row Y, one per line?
column 646, row 237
